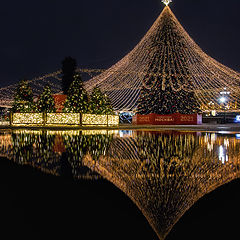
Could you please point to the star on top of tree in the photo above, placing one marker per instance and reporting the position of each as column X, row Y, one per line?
column 166, row 2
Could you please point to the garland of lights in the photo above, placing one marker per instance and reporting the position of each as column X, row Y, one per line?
column 63, row 119
column 208, row 77
column 123, row 81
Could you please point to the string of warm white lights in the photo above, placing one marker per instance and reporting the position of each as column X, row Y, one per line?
column 123, row 81
column 208, row 77
column 165, row 174
column 38, row 83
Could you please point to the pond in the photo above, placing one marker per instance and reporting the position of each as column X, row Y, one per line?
column 117, row 184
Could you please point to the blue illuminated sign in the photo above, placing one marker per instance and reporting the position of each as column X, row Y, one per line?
column 238, row 136
column 237, row 119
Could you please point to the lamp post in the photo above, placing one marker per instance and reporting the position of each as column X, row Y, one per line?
column 223, row 100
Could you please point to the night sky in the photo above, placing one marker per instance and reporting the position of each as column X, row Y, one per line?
column 37, row 35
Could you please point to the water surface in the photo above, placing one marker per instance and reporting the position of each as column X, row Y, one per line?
column 164, row 173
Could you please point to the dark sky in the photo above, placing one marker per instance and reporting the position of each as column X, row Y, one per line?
column 37, row 35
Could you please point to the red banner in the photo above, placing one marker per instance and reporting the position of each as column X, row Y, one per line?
column 164, row 120
column 172, row 119
column 188, row 119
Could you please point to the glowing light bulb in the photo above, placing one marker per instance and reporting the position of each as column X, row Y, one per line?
column 222, row 99
column 166, row 2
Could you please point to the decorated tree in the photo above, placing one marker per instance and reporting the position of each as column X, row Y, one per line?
column 46, row 101
column 77, row 100
column 97, row 102
column 23, row 99
column 100, row 103
column 168, row 84
column 108, row 105
column 69, row 66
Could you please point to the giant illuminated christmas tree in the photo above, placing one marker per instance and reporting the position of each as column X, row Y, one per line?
column 165, row 69
column 170, row 90
column 167, row 72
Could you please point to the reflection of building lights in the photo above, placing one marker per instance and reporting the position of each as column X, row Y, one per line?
column 213, row 137
column 210, row 139
column 210, row 147
column 221, row 153
column 223, row 132
column 223, row 157
column 206, row 138
column 125, row 133
column 226, row 143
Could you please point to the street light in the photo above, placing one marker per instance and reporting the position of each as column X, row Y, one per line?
column 224, row 97
column 223, row 100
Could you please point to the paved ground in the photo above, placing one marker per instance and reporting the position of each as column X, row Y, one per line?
column 204, row 127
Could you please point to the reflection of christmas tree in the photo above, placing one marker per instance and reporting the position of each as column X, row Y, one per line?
column 168, row 87
column 23, row 100
column 167, row 145
column 98, row 145
column 36, row 150
column 166, row 153
column 53, row 153
column 77, row 99
column 100, row 103
column 77, row 146
column 166, row 149
column 165, row 185
column 164, row 173
column 46, row 101
column 23, row 147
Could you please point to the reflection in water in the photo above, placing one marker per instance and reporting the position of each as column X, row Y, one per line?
column 164, row 173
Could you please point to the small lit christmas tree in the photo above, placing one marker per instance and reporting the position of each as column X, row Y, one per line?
column 108, row 105
column 77, row 100
column 100, row 103
column 23, row 100
column 46, row 101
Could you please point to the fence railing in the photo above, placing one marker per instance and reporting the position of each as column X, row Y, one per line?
column 62, row 119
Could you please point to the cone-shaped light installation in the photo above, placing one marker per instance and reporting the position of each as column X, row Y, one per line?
column 167, row 57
